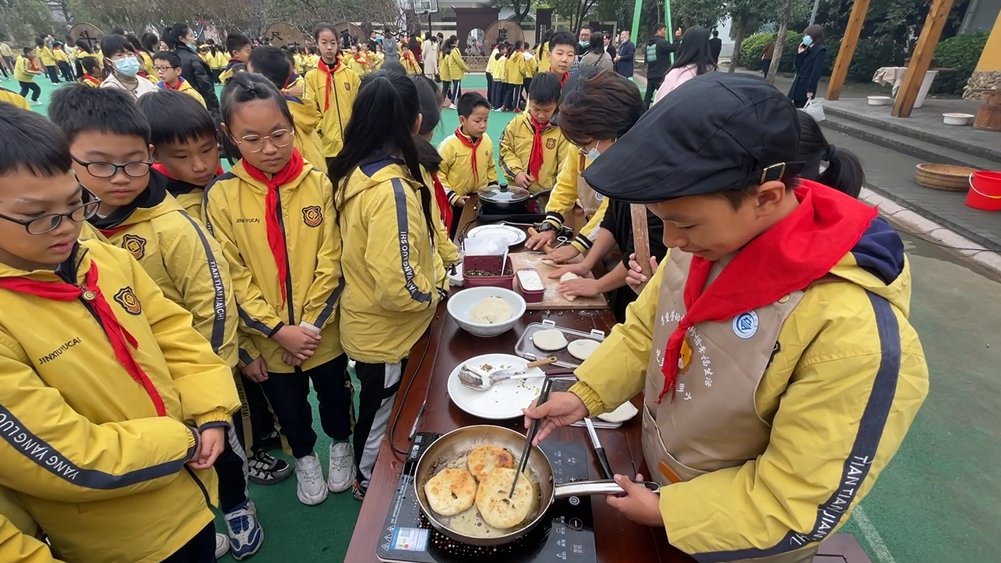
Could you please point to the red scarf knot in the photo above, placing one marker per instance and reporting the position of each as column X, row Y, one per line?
column 473, row 146
column 328, row 73
column 535, row 158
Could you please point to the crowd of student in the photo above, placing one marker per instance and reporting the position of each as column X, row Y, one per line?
column 221, row 298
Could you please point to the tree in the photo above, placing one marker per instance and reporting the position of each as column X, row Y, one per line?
column 784, row 17
column 521, row 8
column 576, row 10
column 707, row 13
column 24, row 20
column 745, row 17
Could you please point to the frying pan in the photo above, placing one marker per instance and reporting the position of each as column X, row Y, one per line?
column 506, row 197
column 452, row 449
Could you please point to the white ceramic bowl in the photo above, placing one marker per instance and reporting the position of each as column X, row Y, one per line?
column 957, row 118
column 462, row 302
column 880, row 100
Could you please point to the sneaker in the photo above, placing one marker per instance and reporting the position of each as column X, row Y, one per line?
column 359, row 489
column 221, row 545
column 266, row 469
column 267, row 443
column 309, row 476
column 245, row 533
column 36, row 103
column 451, row 106
column 342, row 467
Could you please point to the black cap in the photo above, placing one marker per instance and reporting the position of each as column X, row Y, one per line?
column 717, row 132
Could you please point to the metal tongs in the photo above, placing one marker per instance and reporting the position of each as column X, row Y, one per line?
column 533, row 429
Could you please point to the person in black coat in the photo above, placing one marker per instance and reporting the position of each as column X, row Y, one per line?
column 627, row 53
column 715, row 47
column 811, row 60
column 658, row 59
column 182, row 39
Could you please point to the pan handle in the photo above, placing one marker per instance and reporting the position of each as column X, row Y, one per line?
column 602, row 487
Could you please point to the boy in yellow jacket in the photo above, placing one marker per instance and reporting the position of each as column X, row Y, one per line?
column 114, row 407
column 467, row 155
column 47, row 59
column 109, row 144
column 331, row 87
column 775, row 394
column 514, row 76
column 25, row 70
column 168, row 69
column 239, row 48
column 62, row 62
column 9, row 97
column 532, row 147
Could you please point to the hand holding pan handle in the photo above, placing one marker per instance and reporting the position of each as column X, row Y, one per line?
column 600, row 487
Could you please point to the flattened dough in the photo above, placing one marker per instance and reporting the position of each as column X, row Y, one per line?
column 484, row 459
column 451, row 491
column 494, row 505
column 550, row 340
column 491, row 310
column 582, row 348
column 565, row 278
column 625, row 411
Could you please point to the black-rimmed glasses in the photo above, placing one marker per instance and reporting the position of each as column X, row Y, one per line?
column 136, row 169
column 51, row 221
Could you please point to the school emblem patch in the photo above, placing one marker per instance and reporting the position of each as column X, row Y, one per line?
column 312, row 216
column 128, row 300
column 347, row 86
column 136, row 245
column 684, row 356
column 550, row 144
column 745, row 325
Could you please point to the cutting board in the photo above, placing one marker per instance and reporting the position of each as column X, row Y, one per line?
column 552, row 299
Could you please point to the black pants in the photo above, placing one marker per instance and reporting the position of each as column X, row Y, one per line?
column 35, row 90
column 288, row 394
column 652, row 86
column 513, row 97
column 456, row 90
column 765, row 65
column 66, row 70
column 231, row 467
column 201, row 548
column 500, row 93
column 490, row 86
column 379, row 384
column 446, row 89
column 262, row 420
column 53, row 73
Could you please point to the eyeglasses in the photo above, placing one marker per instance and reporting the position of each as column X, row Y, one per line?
column 279, row 138
column 136, row 169
column 51, row 221
column 163, row 68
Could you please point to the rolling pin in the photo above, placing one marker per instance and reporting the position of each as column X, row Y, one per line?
column 641, row 238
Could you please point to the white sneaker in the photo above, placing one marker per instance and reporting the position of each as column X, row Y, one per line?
column 221, row 545
column 309, row 476
column 451, row 106
column 342, row 467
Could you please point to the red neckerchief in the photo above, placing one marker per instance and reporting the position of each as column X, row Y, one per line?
column 276, row 240
column 473, row 146
column 535, row 157
column 564, row 78
column 158, row 166
column 91, row 79
column 792, row 254
column 329, row 74
column 118, row 337
column 180, row 82
column 444, row 207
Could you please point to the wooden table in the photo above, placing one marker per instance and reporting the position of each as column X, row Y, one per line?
column 431, row 361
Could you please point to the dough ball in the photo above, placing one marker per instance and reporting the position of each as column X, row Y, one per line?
column 451, row 491
column 492, row 500
column 549, row 340
column 565, row 278
column 491, row 310
column 485, row 459
column 624, row 412
column 583, row 348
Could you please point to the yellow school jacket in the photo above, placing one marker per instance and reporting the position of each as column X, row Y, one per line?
column 307, row 139
column 21, row 70
column 147, row 63
column 514, row 69
column 390, row 292
column 5, row 50
column 228, row 71
column 564, row 198
column 18, row 533
column 410, row 64
column 360, row 67
column 45, row 56
column 334, row 106
column 82, row 446
column 219, row 61
column 447, row 254
column 183, row 260
column 516, row 147
column 818, row 396
column 531, row 66
column 184, row 87
column 234, row 213
column 60, row 56
column 443, row 70
column 542, row 58
column 298, row 63
column 457, row 68
column 377, row 60
column 206, row 58
column 456, row 171
column 12, row 98
column 492, row 62
column 500, row 69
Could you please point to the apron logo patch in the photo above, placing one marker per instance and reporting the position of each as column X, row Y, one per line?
column 128, row 300
column 312, row 216
column 745, row 325
column 684, row 356
column 135, row 245
column 550, row 144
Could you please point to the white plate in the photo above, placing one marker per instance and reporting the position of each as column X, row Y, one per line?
column 510, row 235
column 502, row 401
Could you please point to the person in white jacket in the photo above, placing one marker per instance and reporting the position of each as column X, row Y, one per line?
column 429, row 54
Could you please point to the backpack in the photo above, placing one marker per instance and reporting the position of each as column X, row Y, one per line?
column 651, row 53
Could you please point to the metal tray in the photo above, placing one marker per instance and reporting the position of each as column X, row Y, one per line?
column 526, row 348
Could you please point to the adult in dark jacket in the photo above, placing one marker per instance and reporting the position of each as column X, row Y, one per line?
column 182, row 39
column 811, row 60
column 625, row 58
column 658, row 59
column 715, row 47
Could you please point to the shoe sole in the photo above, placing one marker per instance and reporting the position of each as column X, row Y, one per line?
column 311, row 503
column 340, row 489
column 243, row 556
column 279, row 477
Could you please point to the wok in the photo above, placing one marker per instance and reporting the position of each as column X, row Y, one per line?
column 451, row 450
column 504, row 197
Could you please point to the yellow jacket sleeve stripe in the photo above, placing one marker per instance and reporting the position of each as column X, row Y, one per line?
column 223, row 327
column 416, row 287
column 828, row 480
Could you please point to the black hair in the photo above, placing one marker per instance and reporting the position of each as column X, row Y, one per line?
column 150, row 41
column 77, row 108
column 597, row 43
column 84, row 46
column 89, row 65
column 694, row 50
column 30, row 142
column 169, row 56
column 430, row 98
column 816, row 32
column 470, row 101
column 236, row 41
column 844, row 170
column 715, row 33
column 113, row 44
column 387, row 103
column 658, row 27
column 324, row 26
column 599, row 105
column 26, row 51
column 134, row 41
column 393, row 67
column 118, row 30
column 39, row 41
column 273, row 63
column 562, row 38
column 545, row 88
column 174, row 35
column 175, row 117
column 587, row 27
column 247, row 87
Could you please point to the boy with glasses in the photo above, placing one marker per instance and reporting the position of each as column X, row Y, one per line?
column 168, row 69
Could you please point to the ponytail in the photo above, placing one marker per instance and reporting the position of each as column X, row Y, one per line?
column 844, row 170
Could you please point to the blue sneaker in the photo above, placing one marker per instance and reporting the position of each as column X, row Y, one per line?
column 245, row 533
